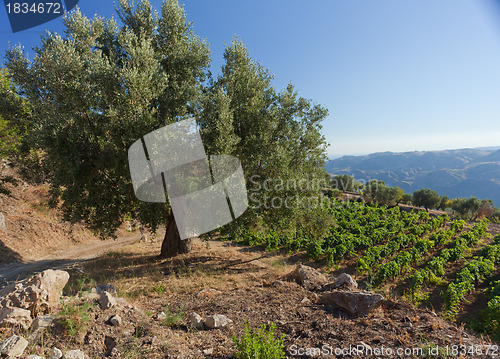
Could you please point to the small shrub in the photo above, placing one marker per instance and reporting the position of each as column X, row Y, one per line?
column 172, row 318
column 260, row 343
column 158, row 288
column 73, row 317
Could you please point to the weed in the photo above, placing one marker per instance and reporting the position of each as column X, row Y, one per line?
column 73, row 317
column 158, row 288
column 260, row 343
column 172, row 318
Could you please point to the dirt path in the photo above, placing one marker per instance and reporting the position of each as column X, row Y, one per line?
column 64, row 259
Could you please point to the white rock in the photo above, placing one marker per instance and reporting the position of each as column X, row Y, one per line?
column 33, row 356
column 116, row 320
column 38, row 294
column 13, row 347
column 196, row 320
column 3, row 227
column 217, row 321
column 106, row 300
column 208, row 351
column 74, row 354
column 15, row 317
column 161, row 316
column 55, row 353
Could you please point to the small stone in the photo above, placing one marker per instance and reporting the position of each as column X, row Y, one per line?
column 345, row 281
column 106, row 300
column 55, row 353
column 305, row 301
column 42, row 322
column 161, row 316
column 196, row 320
column 217, row 321
column 74, row 354
column 116, row 320
column 110, row 343
column 208, row 351
column 13, row 347
column 33, row 356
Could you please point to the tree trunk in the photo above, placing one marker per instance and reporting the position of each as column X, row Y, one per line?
column 172, row 243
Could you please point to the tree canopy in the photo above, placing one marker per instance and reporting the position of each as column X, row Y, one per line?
column 102, row 86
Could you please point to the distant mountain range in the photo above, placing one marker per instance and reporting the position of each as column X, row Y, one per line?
column 455, row 173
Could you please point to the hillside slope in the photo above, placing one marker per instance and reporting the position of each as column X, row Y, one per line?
column 455, row 173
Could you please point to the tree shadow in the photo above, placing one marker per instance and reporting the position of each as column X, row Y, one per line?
column 7, row 255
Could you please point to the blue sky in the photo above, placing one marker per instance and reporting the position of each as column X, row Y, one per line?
column 395, row 75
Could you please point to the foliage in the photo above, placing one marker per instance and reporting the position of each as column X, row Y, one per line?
column 14, row 114
column 345, row 183
column 426, row 198
column 378, row 192
column 277, row 137
column 74, row 317
column 261, row 343
column 172, row 318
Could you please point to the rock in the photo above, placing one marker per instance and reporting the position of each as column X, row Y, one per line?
column 345, row 281
column 41, row 322
column 217, row 321
column 309, row 277
column 13, row 347
column 15, row 317
column 110, row 343
column 74, row 354
column 38, row 294
column 3, row 227
column 196, row 320
column 110, row 288
column 33, row 356
column 161, row 316
column 55, row 353
column 355, row 303
column 106, row 300
column 208, row 351
column 116, row 320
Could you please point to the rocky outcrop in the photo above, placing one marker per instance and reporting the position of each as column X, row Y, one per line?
column 15, row 317
column 38, row 294
column 355, row 303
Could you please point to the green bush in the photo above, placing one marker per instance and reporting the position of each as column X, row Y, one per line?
column 74, row 317
column 260, row 343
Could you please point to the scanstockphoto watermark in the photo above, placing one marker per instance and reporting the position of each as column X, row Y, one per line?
column 360, row 350
column 291, row 193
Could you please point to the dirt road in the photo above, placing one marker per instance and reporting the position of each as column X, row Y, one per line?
column 63, row 259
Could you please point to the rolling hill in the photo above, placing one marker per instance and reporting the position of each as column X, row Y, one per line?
column 455, row 173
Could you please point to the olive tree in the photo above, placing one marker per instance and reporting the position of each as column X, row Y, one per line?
column 95, row 91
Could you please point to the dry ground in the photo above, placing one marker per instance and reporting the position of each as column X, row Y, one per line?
column 245, row 284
